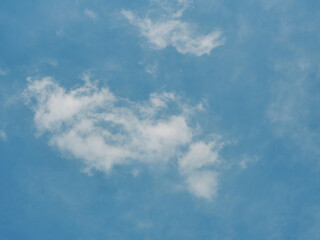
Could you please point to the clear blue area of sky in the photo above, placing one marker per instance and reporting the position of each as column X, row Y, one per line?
column 262, row 95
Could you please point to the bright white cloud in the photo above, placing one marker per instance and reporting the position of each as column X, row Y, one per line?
column 103, row 130
column 91, row 14
column 173, row 32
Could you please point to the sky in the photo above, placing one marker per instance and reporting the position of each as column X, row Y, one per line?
column 159, row 119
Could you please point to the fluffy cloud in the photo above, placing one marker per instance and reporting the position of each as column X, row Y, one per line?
column 193, row 166
column 103, row 130
column 171, row 31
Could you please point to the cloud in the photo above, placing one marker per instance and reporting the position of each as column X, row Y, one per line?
column 144, row 224
column 151, row 68
column 246, row 160
column 59, row 32
column 203, row 184
column 91, row 14
column 103, row 130
column 3, row 135
column 3, row 72
column 171, row 31
column 193, row 165
column 294, row 100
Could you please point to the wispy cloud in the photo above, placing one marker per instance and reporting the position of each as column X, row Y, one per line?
column 3, row 71
column 59, row 32
column 103, row 130
column 91, row 14
column 3, row 135
column 151, row 68
column 292, row 110
column 171, row 31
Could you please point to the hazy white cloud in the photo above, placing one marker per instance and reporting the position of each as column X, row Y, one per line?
column 246, row 160
column 135, row 172
column 91, row 14
column 151, row 68
column 52, row 62
column 203, row 184
column 59, row 32
column 3, row 71
column 173, row 8
column 103, row 130
column 3, row 135
column 171, row 31
column 292, row 110
column 144, row 224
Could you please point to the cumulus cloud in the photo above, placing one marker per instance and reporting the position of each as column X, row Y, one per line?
column 171, row 31
column 193, row 165
column 104, row 130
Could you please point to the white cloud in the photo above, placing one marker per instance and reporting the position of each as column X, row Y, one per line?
column 245, row 161
column 194, row 166
column 293, row 103
column 3, row 135
column 59, row 32
column 103, row 130
column 91, row 14
column 203, row 184
column 173, row 32
column 200, row 155
column 3, row 72
column 151, row 68
column 135, row 172
column 144, row 224
column 52, row 62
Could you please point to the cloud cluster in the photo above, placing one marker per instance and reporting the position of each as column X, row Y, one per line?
column 104, row 130
column 171, row 31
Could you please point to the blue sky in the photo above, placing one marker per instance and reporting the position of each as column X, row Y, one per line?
column 159, row 119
